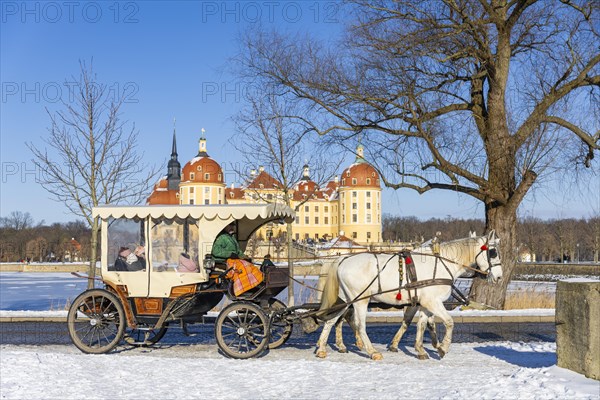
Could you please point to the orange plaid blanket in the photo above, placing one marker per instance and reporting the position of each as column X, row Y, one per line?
column 244, row 275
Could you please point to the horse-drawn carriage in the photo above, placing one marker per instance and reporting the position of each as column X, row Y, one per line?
column 138, row 304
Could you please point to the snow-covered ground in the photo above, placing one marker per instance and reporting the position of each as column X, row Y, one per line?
column 491, row 370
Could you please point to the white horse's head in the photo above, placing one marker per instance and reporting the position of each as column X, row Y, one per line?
column 488, row 258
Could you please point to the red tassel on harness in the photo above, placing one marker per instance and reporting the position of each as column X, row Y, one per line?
column 484, row 247
column 399, row 296
column 408, row 260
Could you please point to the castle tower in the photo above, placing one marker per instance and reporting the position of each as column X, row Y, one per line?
column 202, row 179
column 360, row 201
column 173, row 167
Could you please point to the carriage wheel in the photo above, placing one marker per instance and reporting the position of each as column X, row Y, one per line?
column 242, row 330
column 281, row 329
column 96, row 321
column 145, row 337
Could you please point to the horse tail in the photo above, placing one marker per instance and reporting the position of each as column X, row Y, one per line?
column 331, row 289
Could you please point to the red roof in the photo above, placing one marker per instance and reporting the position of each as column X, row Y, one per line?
column 266, row 180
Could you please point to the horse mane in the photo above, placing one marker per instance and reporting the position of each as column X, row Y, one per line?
column 463, row 250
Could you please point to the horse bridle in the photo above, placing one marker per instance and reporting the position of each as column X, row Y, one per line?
column 491, row 252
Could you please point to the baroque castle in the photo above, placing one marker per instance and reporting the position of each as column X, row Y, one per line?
column 347, row 206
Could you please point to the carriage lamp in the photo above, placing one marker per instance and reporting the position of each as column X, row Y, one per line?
column 209, row 262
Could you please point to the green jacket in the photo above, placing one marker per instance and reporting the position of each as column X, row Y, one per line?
column 224, row 245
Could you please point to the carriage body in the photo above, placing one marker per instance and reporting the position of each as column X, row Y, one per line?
column 141, row 298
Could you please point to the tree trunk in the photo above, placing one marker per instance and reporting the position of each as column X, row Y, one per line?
column 93, row 254
column 504, row 220
column 290, row 266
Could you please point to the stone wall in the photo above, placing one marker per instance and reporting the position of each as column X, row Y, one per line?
column 578, row 326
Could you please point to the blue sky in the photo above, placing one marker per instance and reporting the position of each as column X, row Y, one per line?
column 173, row 61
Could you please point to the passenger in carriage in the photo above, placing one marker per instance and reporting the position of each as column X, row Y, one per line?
column 130, row 261
column 186, row 264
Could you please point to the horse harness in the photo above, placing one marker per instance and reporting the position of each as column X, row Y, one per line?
column 406, row 263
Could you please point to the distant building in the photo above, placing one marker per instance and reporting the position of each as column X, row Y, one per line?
column 349, row 204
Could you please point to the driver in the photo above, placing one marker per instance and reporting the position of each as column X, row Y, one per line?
column 226, row 245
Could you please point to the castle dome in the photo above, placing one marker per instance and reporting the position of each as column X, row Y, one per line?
column 202, row 170
column 360, row 175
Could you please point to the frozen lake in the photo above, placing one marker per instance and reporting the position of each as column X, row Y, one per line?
column 38, row 291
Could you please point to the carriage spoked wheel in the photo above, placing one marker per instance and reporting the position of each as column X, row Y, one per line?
column 281, row 329
column 242, row 330
column 144, row 336
column 96, row 321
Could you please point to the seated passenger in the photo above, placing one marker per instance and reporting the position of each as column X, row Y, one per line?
column 186, row 264
column 128, row 261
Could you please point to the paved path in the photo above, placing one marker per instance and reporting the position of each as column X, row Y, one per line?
column 46, row 333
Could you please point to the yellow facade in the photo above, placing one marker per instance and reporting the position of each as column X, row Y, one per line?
column 350, row 206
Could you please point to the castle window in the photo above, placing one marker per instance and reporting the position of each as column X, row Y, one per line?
column 343, row 181
column 199, row 168
column 206, row 176
column 260, row 185
column 354, row 236
column 368, row 181
column 191, row 201
column 326, row 209
column 347, row 173
column 326, row 220
column 354, row 206
column 354, row 181
column 297, row 222
column 269, row 197
column 305, row 208
column 368, row 194
column 220, row 177
column 373, row 174
column 354, row 218
column 368, row 206
column 206, row 201
column 231, row 194
column 368, row 235
column 306, row 221
column 316, row 220
column 192, row 175
column 192, row 190
column 316, row 208
column 368, row 218
column 353, row 194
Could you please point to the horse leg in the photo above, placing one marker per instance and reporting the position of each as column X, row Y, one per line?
column 339, row 339
column 421, row 353
column 409, row 314
column 432, row 331
column 438, row 309
column 322, row 342
column 360, row 322
column 349, row 317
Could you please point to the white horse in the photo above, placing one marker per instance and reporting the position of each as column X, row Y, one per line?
column 356, row 280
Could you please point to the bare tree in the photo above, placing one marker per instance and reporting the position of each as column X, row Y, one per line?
column 90, row 156
column 481, row 97
column 268, row 135
column 17, row 220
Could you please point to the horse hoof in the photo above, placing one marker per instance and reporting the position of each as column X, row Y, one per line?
column 343, row 351
column 441, row 352
column 376, row 356
column 321, row 354
column 423, row 356
column 393, row 349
